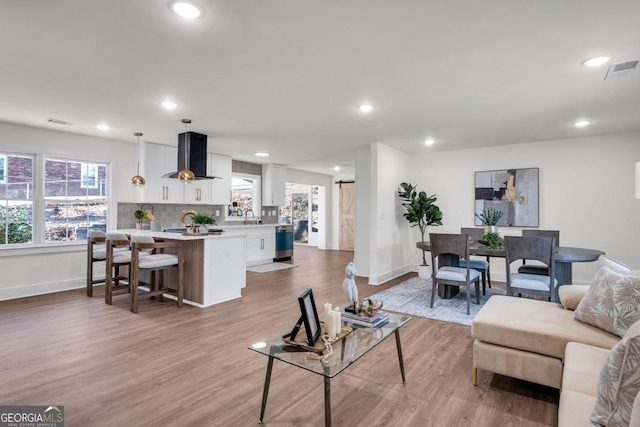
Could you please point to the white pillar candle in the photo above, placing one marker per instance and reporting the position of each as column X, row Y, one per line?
column 327, row 308
column 330, row 323
column 338, row 322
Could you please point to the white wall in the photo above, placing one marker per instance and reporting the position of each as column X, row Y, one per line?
column 586, row 192
column 36, row 271
column 325, row 216
column 363, row 250
column 383, row 244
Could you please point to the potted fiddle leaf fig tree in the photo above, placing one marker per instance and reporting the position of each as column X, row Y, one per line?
column 420, row 212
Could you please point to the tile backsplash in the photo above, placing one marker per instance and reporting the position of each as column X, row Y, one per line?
column 169, row 214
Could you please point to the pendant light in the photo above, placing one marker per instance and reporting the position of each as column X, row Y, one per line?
column 138, row 180
column 186, row 175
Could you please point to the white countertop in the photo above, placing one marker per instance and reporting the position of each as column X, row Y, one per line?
column 242, row 226
column 180, row 236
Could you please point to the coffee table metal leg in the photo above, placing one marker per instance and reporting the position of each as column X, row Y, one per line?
column 400, row 359
column 327, row 402
column 265, row 392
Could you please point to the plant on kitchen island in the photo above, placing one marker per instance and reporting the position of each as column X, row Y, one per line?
column 140, row 215
column 202, row 219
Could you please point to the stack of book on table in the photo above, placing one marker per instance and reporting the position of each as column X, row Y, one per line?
column 380, row 317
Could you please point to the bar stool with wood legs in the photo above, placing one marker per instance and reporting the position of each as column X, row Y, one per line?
column 154, row 264
column 96, row 252
column 118, row 256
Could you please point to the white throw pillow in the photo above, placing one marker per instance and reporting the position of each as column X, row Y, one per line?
column 618, row 385
column 613, row 302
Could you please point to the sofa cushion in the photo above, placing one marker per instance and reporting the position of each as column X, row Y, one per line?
column 574, row 409
column 582, row 366
column 633, row 330
column 612, row 264
column 571, row 295
column 612, row 302
column 536, row 326
column 635, row 412
column 618, row 385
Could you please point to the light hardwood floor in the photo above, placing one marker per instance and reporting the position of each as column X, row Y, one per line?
column 191, row 367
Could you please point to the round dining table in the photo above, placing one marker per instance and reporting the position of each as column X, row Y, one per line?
column 564, row 259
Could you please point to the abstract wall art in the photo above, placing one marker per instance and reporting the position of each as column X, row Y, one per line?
column 512, row 191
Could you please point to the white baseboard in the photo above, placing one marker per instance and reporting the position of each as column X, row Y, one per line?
column 379, row 279
column 41, row 289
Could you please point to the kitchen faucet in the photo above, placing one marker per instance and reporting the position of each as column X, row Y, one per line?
column 246, row 215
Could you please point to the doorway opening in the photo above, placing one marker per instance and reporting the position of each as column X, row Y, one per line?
column 301, row 209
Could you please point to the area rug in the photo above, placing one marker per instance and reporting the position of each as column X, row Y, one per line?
column 265, row 268
column 413, row 297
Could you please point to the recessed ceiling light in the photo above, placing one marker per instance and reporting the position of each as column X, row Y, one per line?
column 186, row 9
column 365, row 108
column 596, row 61
column 262, row 154
column 169, row 105
column 429, row 141
column 102, row 126
column 582, row 123
column 336, row 168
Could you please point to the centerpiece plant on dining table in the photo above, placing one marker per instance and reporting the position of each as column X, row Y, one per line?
column 491, row 239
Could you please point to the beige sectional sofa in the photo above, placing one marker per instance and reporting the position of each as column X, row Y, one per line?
column 526, row 339
column 544, row 343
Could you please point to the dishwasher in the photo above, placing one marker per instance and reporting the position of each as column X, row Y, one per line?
column 284, row 242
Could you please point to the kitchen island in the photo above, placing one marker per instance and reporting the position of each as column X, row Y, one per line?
column 214, row 264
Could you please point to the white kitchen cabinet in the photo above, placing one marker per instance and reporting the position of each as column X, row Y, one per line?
column 198, row 192
column 220, row 166
column 224, row 269
column 261, row 245
column 159, row 160
column 273, row 184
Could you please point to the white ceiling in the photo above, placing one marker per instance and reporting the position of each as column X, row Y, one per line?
column 285, row 76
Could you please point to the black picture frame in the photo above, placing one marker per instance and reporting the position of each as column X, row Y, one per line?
column 309, row 318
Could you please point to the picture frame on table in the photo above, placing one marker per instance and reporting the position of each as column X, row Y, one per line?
column 309, row 318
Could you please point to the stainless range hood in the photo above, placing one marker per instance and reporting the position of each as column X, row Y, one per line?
column 192, row 154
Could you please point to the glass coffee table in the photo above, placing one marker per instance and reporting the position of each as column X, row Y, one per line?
column 345, row 352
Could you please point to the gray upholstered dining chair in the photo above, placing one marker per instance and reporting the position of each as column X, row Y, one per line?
column 540, row 249
column 538, row 269
column 484, row 267
column 457, row 245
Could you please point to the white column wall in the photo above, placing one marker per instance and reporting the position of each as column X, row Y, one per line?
column 363, row 250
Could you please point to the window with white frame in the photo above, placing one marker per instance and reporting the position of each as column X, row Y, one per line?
column 16, row 200
column 89, row 174
column 245, row 195
column 3, row 168
column 75, row 199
